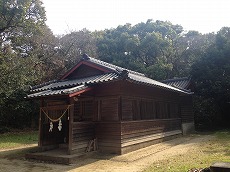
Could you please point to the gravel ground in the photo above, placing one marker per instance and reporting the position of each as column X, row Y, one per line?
column 11, row 160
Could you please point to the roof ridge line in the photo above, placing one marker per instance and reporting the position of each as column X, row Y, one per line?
column 109, row 65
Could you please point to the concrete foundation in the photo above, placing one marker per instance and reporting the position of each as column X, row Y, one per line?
column 220, row 167
column 188, row 128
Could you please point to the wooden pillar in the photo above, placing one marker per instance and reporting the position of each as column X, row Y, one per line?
column 40, row 136
column 119, row 108
column 71, row 114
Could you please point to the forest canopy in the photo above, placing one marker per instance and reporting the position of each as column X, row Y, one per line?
column 31, row 54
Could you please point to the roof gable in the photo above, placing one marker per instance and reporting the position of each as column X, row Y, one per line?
column 90, row 71
column 97, row 67
column 84, row 69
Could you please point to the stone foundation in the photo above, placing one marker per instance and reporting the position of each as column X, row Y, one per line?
column 188, row 128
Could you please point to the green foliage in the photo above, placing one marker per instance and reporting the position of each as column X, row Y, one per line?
column 159, row 49
column 16, row 112
column 211, row 75
column 13, row 140
column 30, row 54
column 20, row 18
column 73, row 45
column 22, row 29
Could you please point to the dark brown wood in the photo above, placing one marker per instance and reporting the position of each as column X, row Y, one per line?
column 109, row 109
column 139, row 134
column 187, row 114
column 59, row 107
column 71, row 114
column 120, row 115
column 88, row 65
column 119, row 108
column 108, row 135
column 82, row 134
column 40, row 137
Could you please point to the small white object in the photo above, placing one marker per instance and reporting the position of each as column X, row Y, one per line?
column 51, row 127
column 59, row 125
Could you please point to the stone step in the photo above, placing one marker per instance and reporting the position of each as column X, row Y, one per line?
column 59, row 156
column 220, row 167
column 64, row 146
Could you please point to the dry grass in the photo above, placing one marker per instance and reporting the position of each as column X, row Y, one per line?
column 200, row 156
column 17, row 139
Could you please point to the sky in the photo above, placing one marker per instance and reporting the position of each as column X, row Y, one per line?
column 205, row 16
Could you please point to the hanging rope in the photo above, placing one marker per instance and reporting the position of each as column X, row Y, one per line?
column 55, row 120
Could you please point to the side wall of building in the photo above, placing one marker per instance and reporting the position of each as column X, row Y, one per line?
column 149, row 115
column 131, row 116
column 187, row 115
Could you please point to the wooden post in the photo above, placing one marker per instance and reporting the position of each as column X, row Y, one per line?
column 119, row 108
column 40, row 123
column 71, row 114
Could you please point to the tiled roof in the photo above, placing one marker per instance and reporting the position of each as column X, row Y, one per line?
column 136, row 76
column 151, row 82
column 64, row 91
column 70, row 86
column 182, row 83
column 71, row 83
column 111, row 66
column 63, row 87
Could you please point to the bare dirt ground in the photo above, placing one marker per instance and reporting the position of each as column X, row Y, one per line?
column 12, row 160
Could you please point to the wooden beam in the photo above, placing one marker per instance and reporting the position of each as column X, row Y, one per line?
column 79, row 92
column 59, row 107
column 71, row 116
column 40, row 136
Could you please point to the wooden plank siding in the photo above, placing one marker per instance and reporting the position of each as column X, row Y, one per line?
column 187, row 114
column 82, row 134
column 109, row 109
column 147, row 116
column 123, row 117
column 137, row 108
column 109, row 137
column 139, row 134
column 84, row 71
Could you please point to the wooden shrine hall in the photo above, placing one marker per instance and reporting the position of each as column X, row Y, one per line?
column 103, row 107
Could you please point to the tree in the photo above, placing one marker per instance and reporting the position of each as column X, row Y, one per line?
column 22, row 29
column 20, row 18
column 159, row 49
column 73, row 45
column 212, row 77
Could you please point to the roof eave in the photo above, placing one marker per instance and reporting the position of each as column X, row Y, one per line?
column 156, row 86
column 72, row 94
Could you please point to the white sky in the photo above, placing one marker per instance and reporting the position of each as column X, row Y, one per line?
column 204, row 16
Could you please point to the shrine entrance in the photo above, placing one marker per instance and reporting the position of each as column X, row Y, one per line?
column 54, row 127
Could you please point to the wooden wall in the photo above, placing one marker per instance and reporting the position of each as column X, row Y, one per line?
column 108, row 110
column 148, row 92
column 82, row 134
column 137, row 108
column 132, row 116
column 139, row 134
column 84, row 71
column 125, row 117
column 108, row 135
column 187, row 114
column 125, row 136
